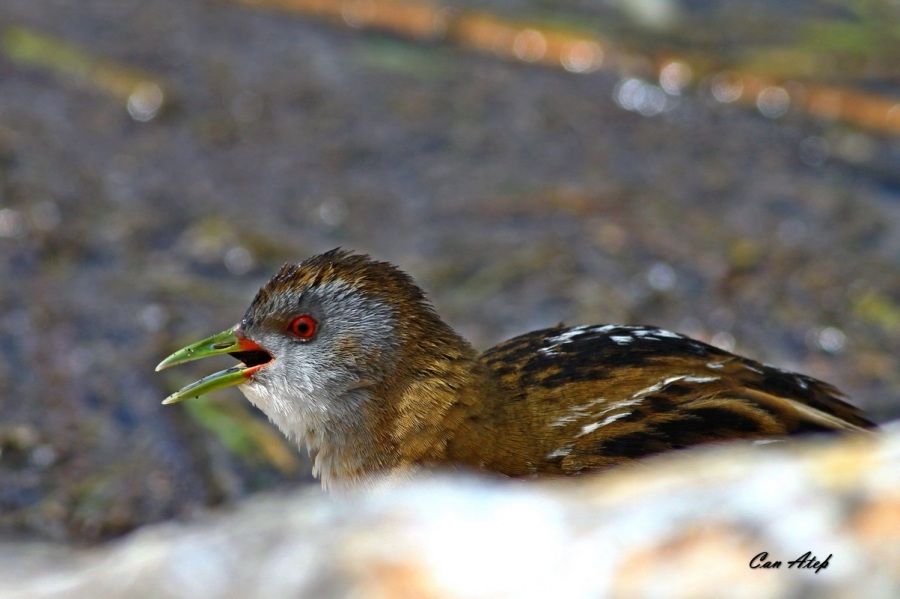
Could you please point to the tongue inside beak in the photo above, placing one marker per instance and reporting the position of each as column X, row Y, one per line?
column 226, row 342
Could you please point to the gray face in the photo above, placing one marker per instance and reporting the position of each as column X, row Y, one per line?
column 314, row 385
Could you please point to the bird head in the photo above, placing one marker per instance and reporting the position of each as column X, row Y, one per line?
column 325, row 345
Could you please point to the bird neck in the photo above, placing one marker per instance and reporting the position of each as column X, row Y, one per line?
column 437, row 385
column 411, row 416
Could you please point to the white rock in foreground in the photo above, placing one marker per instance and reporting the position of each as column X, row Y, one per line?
column 684, row 525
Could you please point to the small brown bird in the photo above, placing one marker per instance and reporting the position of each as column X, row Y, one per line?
column 346, row 355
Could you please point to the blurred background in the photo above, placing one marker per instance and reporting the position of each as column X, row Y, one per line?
column 728, row 170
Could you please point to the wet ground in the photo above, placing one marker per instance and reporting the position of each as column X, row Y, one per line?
column 518, row 196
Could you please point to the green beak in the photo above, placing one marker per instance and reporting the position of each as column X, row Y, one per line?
column 226, row 342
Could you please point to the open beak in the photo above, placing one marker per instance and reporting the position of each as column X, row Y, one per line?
column 226, row 342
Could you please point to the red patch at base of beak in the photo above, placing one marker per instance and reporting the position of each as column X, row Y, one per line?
column 251, row 370
column 245, row 344
column 250, row 347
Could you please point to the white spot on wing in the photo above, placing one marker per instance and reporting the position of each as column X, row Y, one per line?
column 635, row 331
column 559, row 453
column 656, row 387
column 564, row 420
column 620, row 404
column 669, row 334
column 579, row 412
column 604, row 328
column 589, row 428
column 554, row 342
column 608, row 420
column 566, row 335
column 614, row 417
column 666, row 382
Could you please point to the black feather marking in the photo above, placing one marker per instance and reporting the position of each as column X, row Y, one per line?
column 808, row 427
column 659, row 404
column 632, row 445
column 591, row 354
column 726, row 420
column 682, row 432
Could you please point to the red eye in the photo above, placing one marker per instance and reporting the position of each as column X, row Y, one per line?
column 303, row 327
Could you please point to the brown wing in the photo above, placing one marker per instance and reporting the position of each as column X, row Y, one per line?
column 610, row 394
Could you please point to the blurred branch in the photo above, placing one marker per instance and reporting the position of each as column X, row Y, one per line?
column 243, row 434
column 754, row 79
column 143, row 93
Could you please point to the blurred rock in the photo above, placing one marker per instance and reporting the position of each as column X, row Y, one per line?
column 682, row 525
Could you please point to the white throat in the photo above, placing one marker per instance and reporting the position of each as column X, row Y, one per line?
column 335, row 438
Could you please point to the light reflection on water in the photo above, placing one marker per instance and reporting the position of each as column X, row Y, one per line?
column 640, row 96
column 773, row 102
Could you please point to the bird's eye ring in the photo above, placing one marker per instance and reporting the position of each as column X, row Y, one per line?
column 303, row 327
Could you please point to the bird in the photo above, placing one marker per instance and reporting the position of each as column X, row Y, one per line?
column 346, row 355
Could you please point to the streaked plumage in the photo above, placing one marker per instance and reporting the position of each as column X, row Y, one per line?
column 614, row 393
